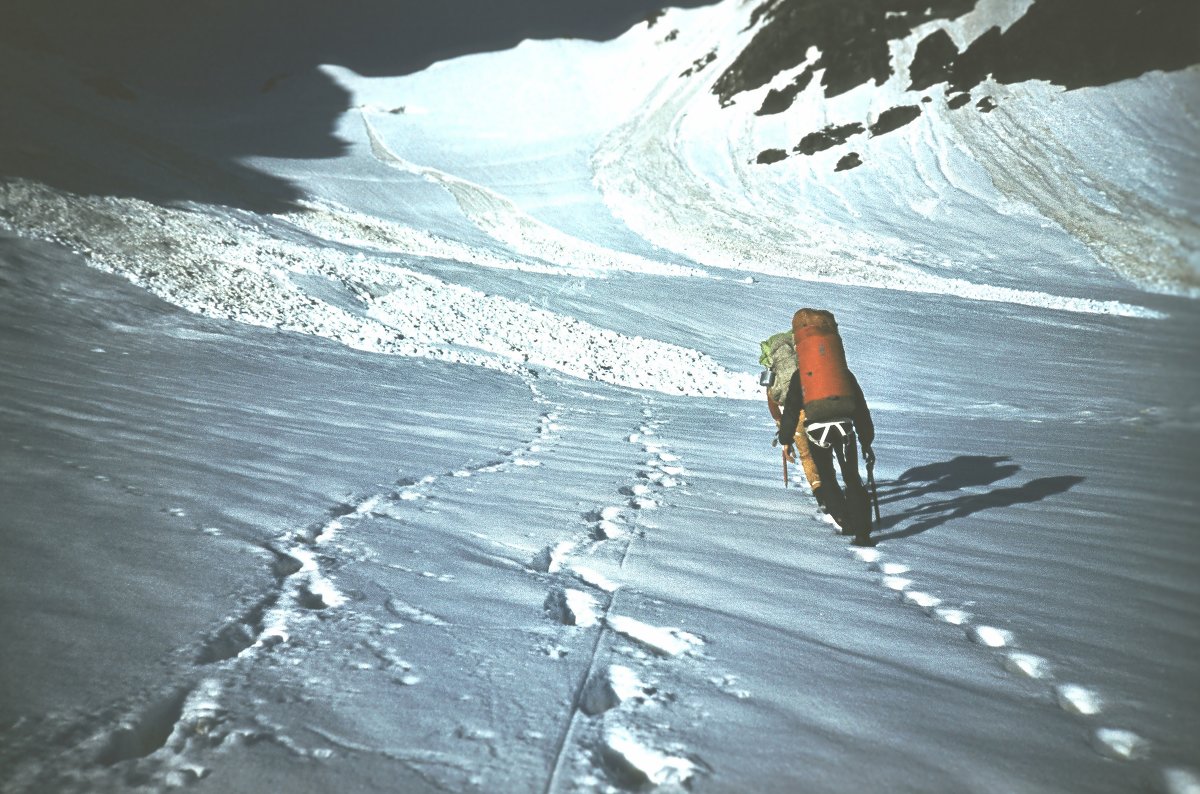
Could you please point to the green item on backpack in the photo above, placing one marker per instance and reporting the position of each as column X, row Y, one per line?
column 768, row 344
column 779, row 356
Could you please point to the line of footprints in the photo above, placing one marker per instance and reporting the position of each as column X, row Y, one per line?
column 614, row 693
column 1111, row 742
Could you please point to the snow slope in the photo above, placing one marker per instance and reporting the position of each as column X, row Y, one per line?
column 383, row 427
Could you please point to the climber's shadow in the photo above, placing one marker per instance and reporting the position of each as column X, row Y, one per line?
column 965, row 471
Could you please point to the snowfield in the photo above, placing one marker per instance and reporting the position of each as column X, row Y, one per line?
column 380, row 406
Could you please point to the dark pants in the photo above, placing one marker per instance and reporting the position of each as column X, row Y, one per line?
column 850, row 508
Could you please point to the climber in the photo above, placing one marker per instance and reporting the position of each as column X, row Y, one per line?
column 820, row 408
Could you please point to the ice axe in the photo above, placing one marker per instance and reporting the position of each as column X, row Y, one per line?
column 869, row 457
column 783, row 451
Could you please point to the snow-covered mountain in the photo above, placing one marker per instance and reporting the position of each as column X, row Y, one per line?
column 380, row 405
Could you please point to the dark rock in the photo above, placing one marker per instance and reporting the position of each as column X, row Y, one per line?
column 768, row 156
column 851, row 160
column 977, row 61
column 853, row 38
column 1071, row 43
column 931, row 64
column 894, row 119
column 827, row 138
column 779, row 100
column 699, row 64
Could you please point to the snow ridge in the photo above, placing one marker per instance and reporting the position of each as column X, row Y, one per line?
column 223, row 267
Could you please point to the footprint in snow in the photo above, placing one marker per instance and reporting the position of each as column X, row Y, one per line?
column 609, row 513
column 1178, row 780
column 924, row 601
column 572, row 607
column 952, row 615
column 612, row 686
column 989, row 636
column 1119, row 744
column 867, row 555
column 607, row 530
column 550, row 559
column 604, row 522
column 888, row 568
column 665, row 468
column 636, row 763
column 660, row 640
column 594, row 578
column 1027, row 664
column 1077, row 699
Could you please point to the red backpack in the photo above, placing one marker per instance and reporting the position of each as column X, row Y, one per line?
column 829, row 393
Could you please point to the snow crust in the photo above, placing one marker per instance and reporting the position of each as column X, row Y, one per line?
column 231, row 270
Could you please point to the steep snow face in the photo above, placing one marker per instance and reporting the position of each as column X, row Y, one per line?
column 848, row 167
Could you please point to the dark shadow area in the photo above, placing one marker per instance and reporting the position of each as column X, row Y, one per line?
column 1078, row 43
column 183, row 90
column 967, row 471
column 1071, row 43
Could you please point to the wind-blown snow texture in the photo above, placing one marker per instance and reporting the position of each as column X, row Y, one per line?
column 379, row 407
